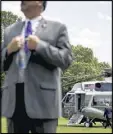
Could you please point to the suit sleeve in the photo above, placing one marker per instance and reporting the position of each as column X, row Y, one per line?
column 6, row 59
column 61, row 55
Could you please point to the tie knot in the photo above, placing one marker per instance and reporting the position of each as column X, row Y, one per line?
column 29, row 23
column 28, row 30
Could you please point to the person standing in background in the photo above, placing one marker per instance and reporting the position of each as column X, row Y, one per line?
column 108, row 115
column 33, row 53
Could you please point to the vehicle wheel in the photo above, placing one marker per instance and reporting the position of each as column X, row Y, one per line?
column 87, row 124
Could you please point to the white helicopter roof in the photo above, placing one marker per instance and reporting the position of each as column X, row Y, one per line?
column 79, row 91
column 98, row 93
column 79, row 87
column 93, row 82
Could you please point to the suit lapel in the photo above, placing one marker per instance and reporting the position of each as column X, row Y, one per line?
column 41, row 27
column 19, row 28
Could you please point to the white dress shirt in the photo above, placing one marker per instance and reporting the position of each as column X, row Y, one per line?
column 34, row 23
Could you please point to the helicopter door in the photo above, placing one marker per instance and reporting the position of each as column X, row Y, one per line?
column 80, row 99
column 68, row 105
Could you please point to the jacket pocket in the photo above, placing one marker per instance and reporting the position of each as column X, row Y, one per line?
column 47, row 86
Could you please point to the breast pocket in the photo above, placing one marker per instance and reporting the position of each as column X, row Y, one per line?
column 47, row 87
column 49, row 95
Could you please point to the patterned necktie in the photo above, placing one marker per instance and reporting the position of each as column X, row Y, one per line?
column 24, row 53
column 28, row 31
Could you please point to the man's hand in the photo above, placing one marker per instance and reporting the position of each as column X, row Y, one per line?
column 32, row 42
column 15, row 44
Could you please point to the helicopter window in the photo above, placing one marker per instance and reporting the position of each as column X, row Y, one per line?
column 94, row 102
column 70, row 98
column 101, row 100
column 103, row 87
column 89, row 87
column 64, row 100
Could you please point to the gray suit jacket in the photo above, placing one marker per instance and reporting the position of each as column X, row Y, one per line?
column 42, row 76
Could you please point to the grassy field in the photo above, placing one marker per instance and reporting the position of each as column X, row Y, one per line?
column 62, row 128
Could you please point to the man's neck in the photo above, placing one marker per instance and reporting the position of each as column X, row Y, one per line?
column 35, row 18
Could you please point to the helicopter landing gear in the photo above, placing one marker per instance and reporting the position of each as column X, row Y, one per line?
column 88, row 123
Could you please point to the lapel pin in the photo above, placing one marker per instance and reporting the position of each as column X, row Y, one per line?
column 44, row 25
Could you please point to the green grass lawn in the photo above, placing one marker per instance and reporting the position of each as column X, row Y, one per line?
column 63, row 128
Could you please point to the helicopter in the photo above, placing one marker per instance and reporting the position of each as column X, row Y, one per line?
column 86, row 101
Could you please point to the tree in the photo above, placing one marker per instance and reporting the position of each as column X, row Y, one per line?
column 104, row 65
column 8, row 18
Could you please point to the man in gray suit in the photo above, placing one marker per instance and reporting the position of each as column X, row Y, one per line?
column 30, row 94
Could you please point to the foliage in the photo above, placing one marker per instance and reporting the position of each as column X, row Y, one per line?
column 8, row 18
column 85, row 67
